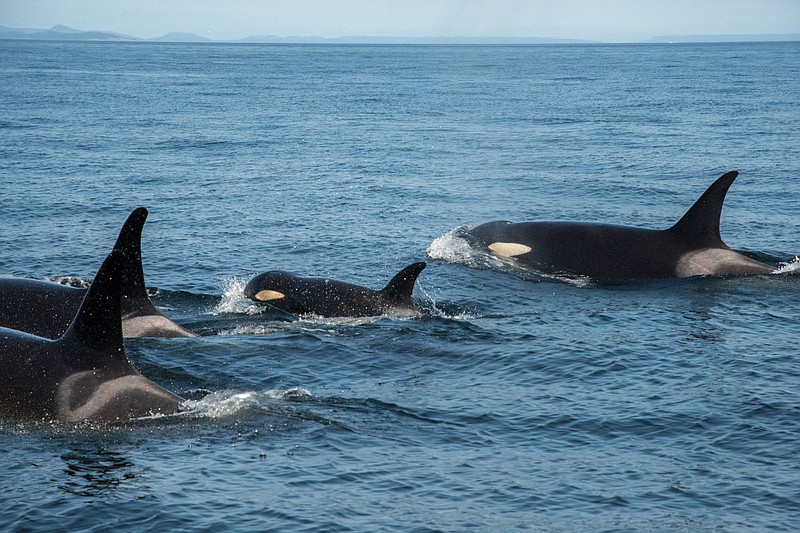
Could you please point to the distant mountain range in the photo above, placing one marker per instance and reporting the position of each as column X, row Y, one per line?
column 65, row 33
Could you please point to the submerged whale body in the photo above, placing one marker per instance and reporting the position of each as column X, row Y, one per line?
column 606, row 252
column 46, row 309
column 84, row 374
column 329, row 298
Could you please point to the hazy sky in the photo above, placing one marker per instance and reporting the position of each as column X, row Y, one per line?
column 604, row 20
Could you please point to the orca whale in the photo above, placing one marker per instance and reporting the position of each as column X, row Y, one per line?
column 328, row 298
column 46, row 309
column 84, row 374
column 606, row 252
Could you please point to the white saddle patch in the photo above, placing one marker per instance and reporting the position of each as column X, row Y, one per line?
column 152, row 326
column 718, row 262
column 131, row 396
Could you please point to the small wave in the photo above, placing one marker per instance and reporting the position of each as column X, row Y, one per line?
column 71, row 281
column 431, row 307
column 306, row 324
column 225, row 404
column 788, row 267
column 253, row 329
column 574, row 280
column 316, row 320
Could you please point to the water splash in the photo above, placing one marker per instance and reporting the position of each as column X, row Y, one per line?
column 224, row 404
column 452, row 247
column 233, row 300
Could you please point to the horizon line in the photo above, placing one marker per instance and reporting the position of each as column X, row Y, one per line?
column 66, row 33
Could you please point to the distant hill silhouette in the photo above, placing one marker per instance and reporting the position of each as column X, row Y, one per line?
column 179, row 37
column 761, row 37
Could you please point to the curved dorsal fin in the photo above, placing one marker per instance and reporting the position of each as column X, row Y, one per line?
column 134, row 293
column 399, row 289
column 98, row 323
column 700, row 225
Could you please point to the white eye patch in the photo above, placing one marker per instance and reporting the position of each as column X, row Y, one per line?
column 509, row 249
column 265, row 296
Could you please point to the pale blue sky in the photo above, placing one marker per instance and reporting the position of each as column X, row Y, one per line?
column 604, row 20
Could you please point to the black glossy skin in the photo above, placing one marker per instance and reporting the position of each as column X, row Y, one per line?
column 40, row 308
column 330, row 298
column 614, row 253
column 84, row 374
column 46, row 309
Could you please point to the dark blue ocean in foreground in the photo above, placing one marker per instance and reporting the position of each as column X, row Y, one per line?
column 514, row 402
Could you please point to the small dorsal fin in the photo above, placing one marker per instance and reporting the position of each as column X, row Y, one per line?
column 98, row 323
column 399, row 289
column 134, row 293
column 700, row 225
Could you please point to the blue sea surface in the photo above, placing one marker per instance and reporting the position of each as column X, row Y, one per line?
column 515, row 402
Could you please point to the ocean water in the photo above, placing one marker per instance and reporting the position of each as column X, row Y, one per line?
column 514, row 402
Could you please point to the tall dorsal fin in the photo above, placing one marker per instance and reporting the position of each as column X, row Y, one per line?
column 700, row 225
column 399, row 289
column 134, row 293
column 98, row 323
